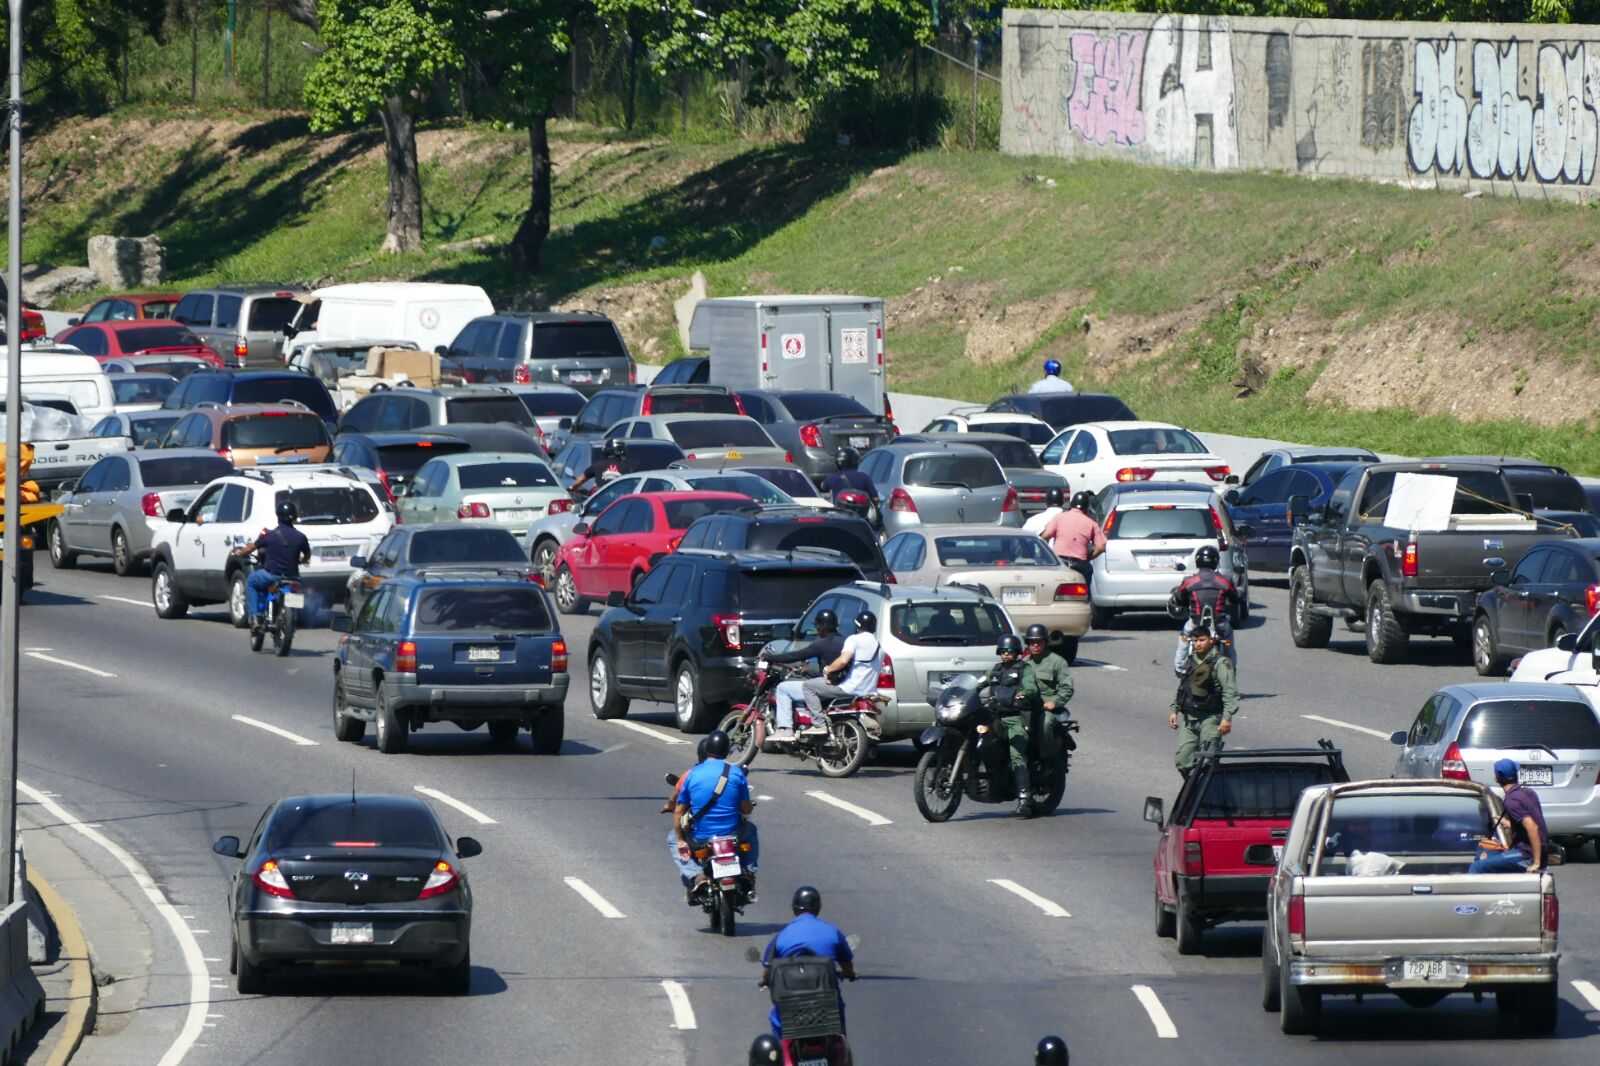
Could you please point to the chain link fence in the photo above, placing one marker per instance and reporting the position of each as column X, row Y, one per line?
column 243, row 53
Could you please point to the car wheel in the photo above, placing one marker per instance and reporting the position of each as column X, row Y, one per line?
column 1100, row 617
column 1301, row 1007
column 121, row 555
column 457, row 980
column 164, row 594
column 60, row 557
column 503, row 734
column 549, row 730
column 1306, row 628
column 604, row 699
column 248, row 978
column 345, row 727
column 1539, row 1007
column 567, row 599
column 1386, row 640
column 544, row 560
column 694, row 716
column 1166, row 921
column 1486, row 657
column 1269, row 978
column 1189, row 930
column 391, row 728
column 239, row 599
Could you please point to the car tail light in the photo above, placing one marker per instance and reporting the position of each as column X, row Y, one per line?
column 788, row 457
column 270, row 880
column 672, row 545
column 633, row 372
column 646, row 405
column 1408, row 560
column 1072, row 591
column 738, row 405
column 226, row 453
column 383, row 479
column 888, row 578
column 727, row 626
column 1551, row 917
column 810, row 436
column 441, row 879
column 1216, row 524
column 522, row 375
column 1217, row 473
column 900, row 501
column 1193, row 854
column 886, row 675
column 151, row 504
column 241, row 349
column 1453, row 765
column 558, row 657
column 405, row 657
column 558, row 507
column 1011, row 501
column 1135, row 473
column 1297, row 916
column 473, row 510
column 1111, row 520
column 1591, row 598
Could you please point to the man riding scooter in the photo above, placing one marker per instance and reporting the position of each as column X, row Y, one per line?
column 808, row 935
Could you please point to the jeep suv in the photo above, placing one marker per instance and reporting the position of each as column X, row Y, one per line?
column 222, row 388
column 582, row 349
column 788, row 529
column 689, row 631
column 405, row 408
column 247, row 324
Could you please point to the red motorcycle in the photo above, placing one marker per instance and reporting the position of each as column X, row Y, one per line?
column 851, row 724
column 805, row 989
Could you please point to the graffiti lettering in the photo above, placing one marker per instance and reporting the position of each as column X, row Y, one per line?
column 1104, row 103
column 1500, row 127
column 1383, row 66
column 1188, row 92
column 1565, row 131
column 1437, row 132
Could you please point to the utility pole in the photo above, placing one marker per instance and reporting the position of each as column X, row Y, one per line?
column 11, row 577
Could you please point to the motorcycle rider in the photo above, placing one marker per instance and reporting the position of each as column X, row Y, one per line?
column 714, row 801
column 1052, row 381
column 847, row 476
column 1052, row 1051
column 1015, row 690
column 1206, row 701
column 612, row 464
column 861, row 655
column 808, row 934
column 686, row 869
column 1055, row 501
column 283, row 549
column 1204, row 590
column 825, row 649
column 1054, row 677
column 1075, row 535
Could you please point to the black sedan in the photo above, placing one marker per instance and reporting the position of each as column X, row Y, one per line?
column 1553, row 590
column 454, row 549
column 350, row 878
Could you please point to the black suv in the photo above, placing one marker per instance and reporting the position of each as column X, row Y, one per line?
column 582, row 349
column 1063, row 409
column 609, row 406
column 690, row 630
column 787, row 529
column 225, row 388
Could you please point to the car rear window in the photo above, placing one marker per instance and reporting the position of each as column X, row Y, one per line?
column 183, row 470
column 954, row 471
column 142, row 337
column 854, row 542
column 465, row 544
column 682, row 512
column 1550, row 491
column 1156, row 523
column 811, row 405
column 487, row 409
column 552, row 404
column 1010, row 453
column 504, row 475
column 275, row 431
column 642, row 454
column 935, row 623
column 1155, row 442
column 270, row 314
column 1032, row 432
column 299, row 388
column 1258, row 791
column 496, row 609
column 353, row 823
column 1402, row 824
column 693, row 403
column 147, row 431
column 785, row 592
column 1531, row 724
column 178, row 368
column 995, row 550
column 331, row 505
column 718, row 433
column 143, row 388
column 576, row 340
column 159, row 308
column 407, row 459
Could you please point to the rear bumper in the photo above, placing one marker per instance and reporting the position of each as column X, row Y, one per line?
column 1439, row 603
column 440, row 938
column 446, row 703
column 1062, row 619
column 1464, row 971
column 1236, row 897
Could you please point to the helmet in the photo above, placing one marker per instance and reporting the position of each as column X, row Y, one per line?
column 1207, row 558
column 1009, row 643
column 717, row 744
column 1082, row 500
column 865, row 621
column 1052, row 1051
column 766, row 1049
column 288, row 512
column 827, row 621
column 700, row 750
column 616, row 448
column 1051, row 367
column 1037, row 632
column 807, row 899
column 854, row 501
column 1055, row 496
column 847, row 458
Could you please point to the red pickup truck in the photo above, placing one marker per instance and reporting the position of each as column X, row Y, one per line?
column 1215, row 858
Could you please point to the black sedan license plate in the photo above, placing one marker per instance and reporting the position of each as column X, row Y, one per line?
column 490, row 654
column 351, row 933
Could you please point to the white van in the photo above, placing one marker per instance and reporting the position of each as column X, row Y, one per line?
column 428, row 314
column 63, row 372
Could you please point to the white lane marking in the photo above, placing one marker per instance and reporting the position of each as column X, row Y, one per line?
column 1158, row 1014
column 1053, row 910
column 1588, row 991
column 1093, row 664
column 210, row 959
column 304, row 742
column 124, row 599
column 764, row 799
column 682, row 1012
column 38, row 649
column 193, row 959
column 647, row 731
column 471, row 812
column 1346, row 725
column 596, row 900
column 68, row 662
column 860, row 812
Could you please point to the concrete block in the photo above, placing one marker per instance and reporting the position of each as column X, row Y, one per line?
column 128, row 262
column 51, row 283
column 21, row 997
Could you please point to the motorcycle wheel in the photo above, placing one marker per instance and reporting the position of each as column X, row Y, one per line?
column 724, row 915
column 258, row 636
column 1053, row 785
column 844, row 751
column 746, row 733
column 283, row 633
column 933, row 769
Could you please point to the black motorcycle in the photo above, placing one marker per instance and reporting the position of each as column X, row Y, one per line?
column 964, row 753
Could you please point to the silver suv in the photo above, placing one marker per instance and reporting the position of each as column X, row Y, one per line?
column 246, row 324
column 409, row 408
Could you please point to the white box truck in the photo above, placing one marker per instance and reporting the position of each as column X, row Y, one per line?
column 428, row 314
column 794, row 342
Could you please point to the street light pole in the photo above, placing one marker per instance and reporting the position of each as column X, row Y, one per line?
column 11, row 545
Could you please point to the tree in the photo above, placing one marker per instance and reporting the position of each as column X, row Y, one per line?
column 383, row 57
column 73, row 48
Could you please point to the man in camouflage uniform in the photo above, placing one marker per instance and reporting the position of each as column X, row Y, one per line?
column 1207, row 699
column 1016, row 694
column 1055, row 689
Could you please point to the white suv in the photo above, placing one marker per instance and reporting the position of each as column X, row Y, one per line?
column 192, row 562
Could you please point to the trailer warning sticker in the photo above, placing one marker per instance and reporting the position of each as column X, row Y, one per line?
column 794, row 345
column 852, row 346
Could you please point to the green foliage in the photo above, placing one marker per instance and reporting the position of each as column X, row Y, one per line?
column 379, row 49
column 1372, row 10
column 72, row 49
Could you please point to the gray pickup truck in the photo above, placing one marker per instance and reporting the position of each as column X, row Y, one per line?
column 1346, row 562
column 1371, row 895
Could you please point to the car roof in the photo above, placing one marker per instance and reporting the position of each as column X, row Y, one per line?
column 551, row 316
column 1299, row 452
column 234, row 410
column 1139, row 488
column 472, row 458
column 760, row 559
column 971, row 529
column 140, row 296
column 689, row 416
column 386, row 437
column 890, row 593
column 131, row 375
column 687, row 494
column 171, row 453
column 469, row 574
column 1120, row 424
column 914, row 448
column 262, row 289
column 361, row 342
column 116, row 325
column 999, row 416
column 1168, row 498
column 1485, row 691
column 1493, row 460
column 370, row 800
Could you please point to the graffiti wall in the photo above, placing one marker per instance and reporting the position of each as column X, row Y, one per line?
column 1449, row 104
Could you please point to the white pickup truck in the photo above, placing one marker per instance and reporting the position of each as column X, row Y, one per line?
column 63, row 447
column 1371, row 895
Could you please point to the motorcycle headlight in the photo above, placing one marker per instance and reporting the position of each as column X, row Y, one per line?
column 948, row 712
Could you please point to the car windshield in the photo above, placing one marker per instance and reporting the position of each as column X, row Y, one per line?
column 407, row 459
column 933, row 623
column 487, row 409
column 331, row 505
column 682, row 512
column 718, row 433
column 1162, row 522
column 1401, row 824
column 854, row 542
column 1531, row 724
column 493, row 609
column 141, row 338
column 342, row 360
column 270, row 314
column 1011, row 453
column 350, row 823
column 995, row 550
column 758, row 489
column 791, row 481
column 692, row 403
column 504, row 475
column 954, row 471
column 785, row 592
column 464, row 544
column 808, row 406
column 183, row 470
column 576, row 340
column 299, row 388
column 275, row 431
column 1155, row 441
column 143, row 388
column 552, row 404
column 1245, row 791
column 148, row 431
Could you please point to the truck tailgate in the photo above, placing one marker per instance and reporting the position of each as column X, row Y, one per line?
column 1480, row 914
column 1462, row 560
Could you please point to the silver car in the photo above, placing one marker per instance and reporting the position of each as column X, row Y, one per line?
column 147, row 429
column 114, row 508
column 1151, row 539
column 705, row 436
column 930, row 484
column 1550, row 731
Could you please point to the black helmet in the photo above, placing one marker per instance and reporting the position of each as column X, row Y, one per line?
column 1009, row 643
column 827, row 621
column 807, row 899
column 288, row 512
column 717, row 744
column 847, row 458
column 1052, row 1051
column 1055, row 496
column 700, row 750
column 767, row 1049
column 616, row 448
column 866, row 622
column 1207, row 558
column 1037, row 632
column 1082, row 500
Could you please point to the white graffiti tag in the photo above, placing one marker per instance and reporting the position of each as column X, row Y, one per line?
column 1500, row 127
column 1437, row 131
column 1564, row 130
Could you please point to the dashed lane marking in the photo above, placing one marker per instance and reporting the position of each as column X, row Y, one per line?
column 68, row 662
column 682, row 1011
column 1158, row 1014
column 595, row 899
column 471, row 812
column 1051, row 909
column 1346, row 725
column 124, row 599
column 1588, row 991
column 638, row 727
column 304, row 742
column 865, row 815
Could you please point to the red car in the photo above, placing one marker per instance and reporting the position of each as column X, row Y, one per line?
column 111, row 340
column 127, row 307
column 625, row 540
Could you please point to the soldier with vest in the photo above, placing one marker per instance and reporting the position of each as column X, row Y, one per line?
column 1207, row 699
column 1054, row 678
column 1016, row 693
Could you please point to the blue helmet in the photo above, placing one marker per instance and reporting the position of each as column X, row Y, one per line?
column 1052, row 368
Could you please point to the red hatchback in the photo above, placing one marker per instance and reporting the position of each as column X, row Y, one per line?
column 110, row 340
column 625, row 540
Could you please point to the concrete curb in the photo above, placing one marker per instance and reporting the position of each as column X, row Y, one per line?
column 84, row 995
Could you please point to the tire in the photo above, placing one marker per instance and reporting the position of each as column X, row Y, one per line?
column 694, row 714
column 1538, row 1007
column 1241, row 611
column 1307, row 628
column 169, row 602
column 1271, row 993
column 1048, row 798
column 1069, row 650
column 603, row 698
column 566, row 592
column 391, row 729
column 258, row 637
column 1190, row 932
column 345, row 728
column 1166, row 921
column 544, row 560
column 1386, row 641
column 746, row 733
column 503, row 734
column 60, row 557
column 1300, row 1007
column 930, row 768
column 848, row 746
column 248, row 980
column 549, row 730
column 457, row 980
column 1486, row 656
column 724, row 920
column 283, row 634
column 239, row 599
column 122, row 563
column 1101, row 617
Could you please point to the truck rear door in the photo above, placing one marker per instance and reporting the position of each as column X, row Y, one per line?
column 797, row 347
column 856, row 342
column 1403, row 915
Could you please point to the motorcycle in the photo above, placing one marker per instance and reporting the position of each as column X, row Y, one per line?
column 805, row 989
column 728, row 887
column 852, row 725
column 284, row 598
column 964, row 754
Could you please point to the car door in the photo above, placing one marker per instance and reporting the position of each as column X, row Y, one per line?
column 628, row 655
column 76, row 508
column 588, row 554
column 620, row 545
column 1416, row 759
column 1264, row 506
column 420, row 504
column 220, row 537
column 1516, row 616
column 187, row 543
column 102, row 504
column 357, row 649
column 1354, row 544
column 1556, row 602
column 662, row 621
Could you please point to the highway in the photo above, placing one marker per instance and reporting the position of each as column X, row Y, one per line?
column 977, row 936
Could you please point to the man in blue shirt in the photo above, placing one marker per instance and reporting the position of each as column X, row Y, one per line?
column 282, row 551
column 713, row 801
column 808, row 934
column 847, row 476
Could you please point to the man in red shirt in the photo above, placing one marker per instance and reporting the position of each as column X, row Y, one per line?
column 1076, row 536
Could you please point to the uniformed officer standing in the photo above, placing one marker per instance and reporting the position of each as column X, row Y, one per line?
column 1207, row 699
column 1016, row 693
column 1054, row 677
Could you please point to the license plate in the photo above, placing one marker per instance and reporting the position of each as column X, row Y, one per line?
column 294, row 599
column 352, row 933
column 490, row 654
column 331, row 553
column 734, row 455
column 1424, row 969
column 1536, row 775
column 514, row 516
column 1159, row 562
column 813, row 1062
column 580, row 376
column 860, row 442
column 1016, row 596
column 725, row 867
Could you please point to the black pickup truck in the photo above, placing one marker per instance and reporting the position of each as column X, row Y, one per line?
column 1345, row 563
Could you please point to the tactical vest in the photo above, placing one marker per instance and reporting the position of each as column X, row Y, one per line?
column 1007, row 683
column 1198, row 692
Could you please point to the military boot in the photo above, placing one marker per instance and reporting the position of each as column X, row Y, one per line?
column 1024, row 792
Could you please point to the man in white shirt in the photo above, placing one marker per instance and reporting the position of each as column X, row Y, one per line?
column 1055, row 502
column 859, row 663
column 1052, row 380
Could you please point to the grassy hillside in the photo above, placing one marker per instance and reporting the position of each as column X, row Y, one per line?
column 1315, row 310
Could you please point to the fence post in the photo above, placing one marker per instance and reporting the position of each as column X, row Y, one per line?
column 194, row 56
column 977, row 57
column 227, row 39
column 266, row 53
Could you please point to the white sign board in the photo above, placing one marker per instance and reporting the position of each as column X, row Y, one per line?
column 1421, row 502
column 794, row 346
column 853, row 346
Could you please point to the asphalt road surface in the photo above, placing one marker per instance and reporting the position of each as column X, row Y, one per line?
column 176, row 733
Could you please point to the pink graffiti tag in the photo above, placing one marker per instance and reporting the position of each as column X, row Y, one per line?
column 1104, row 104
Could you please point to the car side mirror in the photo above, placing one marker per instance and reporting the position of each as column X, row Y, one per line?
column 1154, row 811
column 672, row 779
column 73, row 321
column 1260, row 855
column 358, row 562
column 1231, row 479
column 1567, row 642
column 1524, row 501
column 67, row 486
column 1244, row 529
column 581, row 529
column 340, row 622
column 616, row 598
column 468, row 847
column 1594, row 657
column 1231, row 497
column 1299, row 509
column 1499, row 577
column 440, row 349
column 228, row 846
column 177, row 514
column 565, row 423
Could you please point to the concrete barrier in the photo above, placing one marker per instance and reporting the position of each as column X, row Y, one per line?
column 21, row 997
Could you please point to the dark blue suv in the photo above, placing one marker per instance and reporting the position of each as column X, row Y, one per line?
column 227, row 387
column 466, row 651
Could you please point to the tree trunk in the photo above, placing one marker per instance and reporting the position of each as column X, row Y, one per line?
column 631, row 91
column 528, row 242
column 405, row 181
